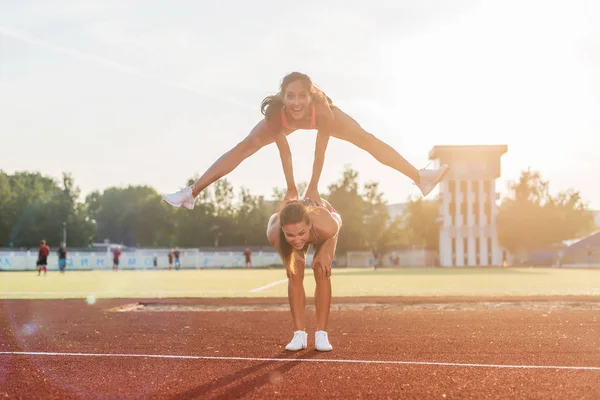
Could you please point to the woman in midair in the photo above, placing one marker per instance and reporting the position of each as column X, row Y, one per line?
column 301, row 105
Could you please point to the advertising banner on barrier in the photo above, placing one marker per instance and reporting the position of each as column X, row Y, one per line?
column 141, row 259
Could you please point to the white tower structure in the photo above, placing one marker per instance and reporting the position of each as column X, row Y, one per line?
column 468, row 208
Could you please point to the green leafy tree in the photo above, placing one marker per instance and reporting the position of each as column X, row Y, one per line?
column 533, row 219
column 252, row 218
column 279, row 192
column 419, row 219
column 134, row 216
column 35, row 207
column 375, row 216
column 344, row 196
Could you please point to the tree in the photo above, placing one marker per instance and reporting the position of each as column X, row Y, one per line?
column 5, row 208
column 570, row 217
column 279, row 193
column 345, row 198
column 134, row 216
column 223, row 227
column 26, row 210
column 419, row 219
column 80, row 227
column 252, row 217
column 223, row 197
column 375, row 216
column 193, row 227
column 395, row 235
column 533, row 219
column 34, row 207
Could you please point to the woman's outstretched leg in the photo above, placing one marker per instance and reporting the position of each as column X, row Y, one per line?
column 349, row 130
column 257, row 139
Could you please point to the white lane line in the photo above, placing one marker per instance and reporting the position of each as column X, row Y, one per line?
column 116, row 293
column 316, row 360
column 258, row 289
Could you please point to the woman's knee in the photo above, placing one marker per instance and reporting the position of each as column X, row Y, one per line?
column 295, row 278
column 320, row 272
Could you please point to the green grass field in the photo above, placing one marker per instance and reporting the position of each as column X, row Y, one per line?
column 271, row 283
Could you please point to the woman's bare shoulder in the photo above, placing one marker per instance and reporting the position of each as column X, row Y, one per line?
column 273, row 229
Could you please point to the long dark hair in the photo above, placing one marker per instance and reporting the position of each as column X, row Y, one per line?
column 271, row 105
column 293, row 212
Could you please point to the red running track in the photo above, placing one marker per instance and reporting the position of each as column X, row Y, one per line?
column 481, row 353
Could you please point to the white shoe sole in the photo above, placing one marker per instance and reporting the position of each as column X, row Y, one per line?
column 171, row 203
column 294, row 349
column 437, row 181
column 303, row 346
column 188, row 205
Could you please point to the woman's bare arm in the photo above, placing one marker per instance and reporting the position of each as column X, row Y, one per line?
column 286, row 162
column 312, row 191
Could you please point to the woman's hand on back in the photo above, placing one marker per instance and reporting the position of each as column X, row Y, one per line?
column 290, row 195
column 313, row 194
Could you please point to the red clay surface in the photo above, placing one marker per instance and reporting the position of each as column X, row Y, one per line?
column 519, row 337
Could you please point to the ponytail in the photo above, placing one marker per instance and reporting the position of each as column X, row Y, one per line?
column 271, row 106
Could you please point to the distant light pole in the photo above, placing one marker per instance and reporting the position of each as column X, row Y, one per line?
column 65, row 232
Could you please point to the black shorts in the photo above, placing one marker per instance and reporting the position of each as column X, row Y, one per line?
column 116, row 262
column 42, row 261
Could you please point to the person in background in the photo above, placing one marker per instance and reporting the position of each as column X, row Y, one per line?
column 42, row 261
column 248, row 257
column 375, row 260
column 116, row 257
column 171, row 256
column 62, row 257
column 177, row 255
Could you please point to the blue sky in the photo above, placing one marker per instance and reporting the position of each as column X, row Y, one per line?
column 150, row 92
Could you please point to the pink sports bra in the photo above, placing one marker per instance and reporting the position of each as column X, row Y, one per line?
column 313, row 118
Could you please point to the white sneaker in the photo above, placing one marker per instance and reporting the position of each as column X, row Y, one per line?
column 181, row 198
column 429, row 178
column 322, row 341
column 298, row 341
